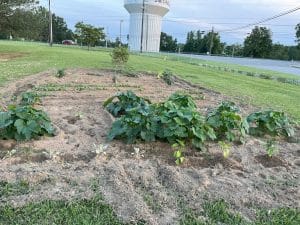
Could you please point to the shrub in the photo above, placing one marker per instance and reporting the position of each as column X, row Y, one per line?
column 167, row 76
column 270, row 122
column 24, row 123
column 120, row 56
column 227, row 123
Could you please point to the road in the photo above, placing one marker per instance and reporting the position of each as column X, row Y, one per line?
column 267, row 64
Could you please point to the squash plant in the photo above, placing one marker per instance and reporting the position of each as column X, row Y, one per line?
column 270, row 122
column 227, row 122
column 126, row 101
column 24, row 123
column 176, row 120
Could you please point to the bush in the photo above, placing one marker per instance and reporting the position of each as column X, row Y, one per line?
column 167, row 76
column 24, row 123
column 120, row 56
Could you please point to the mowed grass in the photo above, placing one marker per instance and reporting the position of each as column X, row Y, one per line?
column 96, row 212
column 256, row 91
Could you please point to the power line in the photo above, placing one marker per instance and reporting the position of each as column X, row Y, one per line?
column 264, row 20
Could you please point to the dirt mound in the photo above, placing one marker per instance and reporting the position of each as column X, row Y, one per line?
column 78, row 161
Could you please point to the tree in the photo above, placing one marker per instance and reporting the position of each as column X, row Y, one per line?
column 259, row 43
column 298, row 34
column 234, row 50
column 279, row 52
column 7, row 13
column 88, row 35
column 167, row 43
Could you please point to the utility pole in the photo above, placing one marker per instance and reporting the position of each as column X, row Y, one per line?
column 50, row 26
column 121, row 21
column 212, row 40
column 142, row 33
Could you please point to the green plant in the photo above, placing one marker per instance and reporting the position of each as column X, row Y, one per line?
column 126, row 102
column 173, row 120
column 179, row 148
column 227, row 123
column 120, row 56
column 60, row 73
column 271, row 147
column 17, row 188
column 226, row 148
column 168, row 77
column 270, row 122
column 137, row 123
column 30, row 98
column 24, row 123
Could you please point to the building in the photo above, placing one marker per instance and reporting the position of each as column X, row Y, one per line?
column 145, row 23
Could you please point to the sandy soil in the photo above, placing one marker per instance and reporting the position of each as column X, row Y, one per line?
column 145, row 185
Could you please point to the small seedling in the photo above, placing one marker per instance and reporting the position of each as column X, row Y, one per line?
column 100, row 149
column 226, row 148
column 179, row 147
column 271, row 148
column 60, row 73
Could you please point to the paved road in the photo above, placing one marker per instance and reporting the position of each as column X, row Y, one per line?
column 275, row 65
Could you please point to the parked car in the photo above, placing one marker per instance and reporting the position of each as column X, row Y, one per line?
column 68, row 42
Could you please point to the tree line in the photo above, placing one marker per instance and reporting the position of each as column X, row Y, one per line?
column 257, row 44
column 26, row 19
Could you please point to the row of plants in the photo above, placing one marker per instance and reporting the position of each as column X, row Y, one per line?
column 178, row 122
column 23, row 121
column 252, row 74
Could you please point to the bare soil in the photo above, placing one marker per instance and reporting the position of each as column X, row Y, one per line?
column 145, row 185
column 9, row 56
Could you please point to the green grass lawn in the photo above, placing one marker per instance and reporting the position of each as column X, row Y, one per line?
column 259, row 92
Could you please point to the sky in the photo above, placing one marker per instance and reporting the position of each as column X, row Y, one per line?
column 187, row 15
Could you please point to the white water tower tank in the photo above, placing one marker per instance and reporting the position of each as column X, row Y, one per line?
column 150, row 20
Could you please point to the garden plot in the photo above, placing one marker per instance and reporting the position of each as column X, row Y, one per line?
column 78, row 162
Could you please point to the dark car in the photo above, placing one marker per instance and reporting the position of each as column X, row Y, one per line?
column 68, row 42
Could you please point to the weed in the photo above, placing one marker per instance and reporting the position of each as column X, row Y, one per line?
column 13, row 189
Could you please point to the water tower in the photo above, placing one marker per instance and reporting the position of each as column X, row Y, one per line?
column 145, row 23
